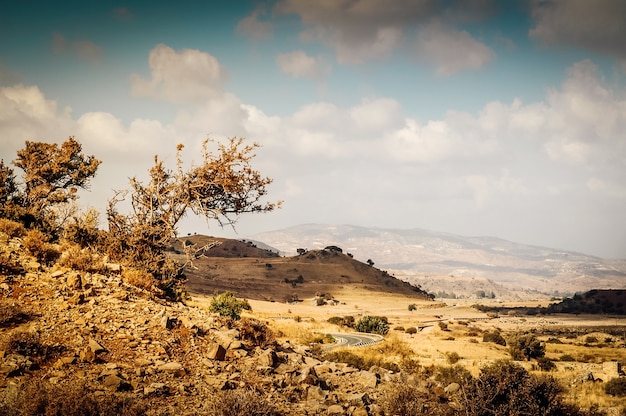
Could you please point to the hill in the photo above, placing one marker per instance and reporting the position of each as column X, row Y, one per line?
column 253, row 273
column 441, row 261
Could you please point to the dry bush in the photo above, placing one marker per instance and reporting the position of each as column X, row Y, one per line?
column 616, row 387
column 347, row 357
column 85, row 260
column 9, row 265
column 83, row 229
column 35, row 398
column 11, row 314
column 139, row 278
column 494, row 337
column 36, row 243
column 29, row 344
column 240, row 403
column 255, row 333
column 504, row 388
column 453, row 374
column 12, row 228
column 452, row 357
column 410, row 399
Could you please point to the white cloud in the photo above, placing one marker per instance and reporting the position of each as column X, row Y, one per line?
column 300, row 65
column 450, row 51
column 596, row 25
column 253, row 27
column 187, row 76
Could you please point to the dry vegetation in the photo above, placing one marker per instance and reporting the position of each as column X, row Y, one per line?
column 94, row 322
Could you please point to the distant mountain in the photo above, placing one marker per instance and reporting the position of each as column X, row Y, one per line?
column 471, row 265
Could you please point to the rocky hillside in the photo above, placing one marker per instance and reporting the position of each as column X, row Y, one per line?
column 71, row 338
column 469, row 263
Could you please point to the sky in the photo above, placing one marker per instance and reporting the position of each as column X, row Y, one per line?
column 474, row 117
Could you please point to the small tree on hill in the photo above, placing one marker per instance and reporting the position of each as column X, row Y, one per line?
column 222, row 187
column 526, row 346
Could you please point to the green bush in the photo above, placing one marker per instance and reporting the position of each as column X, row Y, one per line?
column 373, row 324
column 526, row 346
column 616, row 387
column 494, row 337
column 227, row 305
column 545, row 364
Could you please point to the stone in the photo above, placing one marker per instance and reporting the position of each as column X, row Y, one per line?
column 57, row 273
column 173, row 367
column 115, row 383
column 315, row 393
column 156, row 389
column 268, row 358
column 368, row 379
column 95, row 346
column 74, row 281
column 169, row 322
column 216, row 352
column 335, row 409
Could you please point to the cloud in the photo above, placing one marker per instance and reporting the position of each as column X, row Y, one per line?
column 358, row 30
column 83, row 49
column 599, row 25
column 253, row 27
column 186, row 76
column 123, row 13
column 450, row 51
column 300, row 65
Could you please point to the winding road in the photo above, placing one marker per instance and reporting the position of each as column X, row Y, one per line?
column 355, row 339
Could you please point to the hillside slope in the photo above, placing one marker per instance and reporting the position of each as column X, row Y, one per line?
column 286, row 279
column 415, row 255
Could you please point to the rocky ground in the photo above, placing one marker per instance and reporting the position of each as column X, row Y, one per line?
column 62, row 326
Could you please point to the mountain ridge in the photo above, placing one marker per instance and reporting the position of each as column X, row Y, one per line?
column 416, row 255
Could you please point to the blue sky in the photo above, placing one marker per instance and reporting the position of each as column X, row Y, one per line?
column 474, row 117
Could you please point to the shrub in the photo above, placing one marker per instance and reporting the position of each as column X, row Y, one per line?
column 412, row 306
column 494, row 337
column 347, row 321
column 616, row 386
column 443, row 326
column 411, row 330
column 545, row 364
column 453, row 374
column 255, row 333
column 12, row 228
column 240, row 403
column 452, row 357
column 139, row 278
column 373, row 324
column 36, row 243
column 567, row 357
column 9, row 265
column 11, row 314
column 526, row 346
column 85, row 260
column 226, row 304
column 408, row 399
column 505, row 388
column 591, row 339
column 68, row 399
column 399, row 328
column 347, row 357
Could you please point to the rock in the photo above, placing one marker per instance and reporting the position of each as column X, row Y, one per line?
column 57, row 273
column 335, row 409
column 95, row 346
column 156, row 389
column 74, row 281
column 315, row 393
column 452, row 388
column 113, row 268
column 358, row 399
column 169, row 322
column 77, row 299
column 368, row 379
column 268, row 358
column 216, row 352
column 308, row 376
column 173, row 367
column 115, row 383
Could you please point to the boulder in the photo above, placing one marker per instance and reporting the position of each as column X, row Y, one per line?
column 216, row 352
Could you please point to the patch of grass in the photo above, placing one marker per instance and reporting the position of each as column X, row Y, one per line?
column 71, row 398
column 240, row 403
